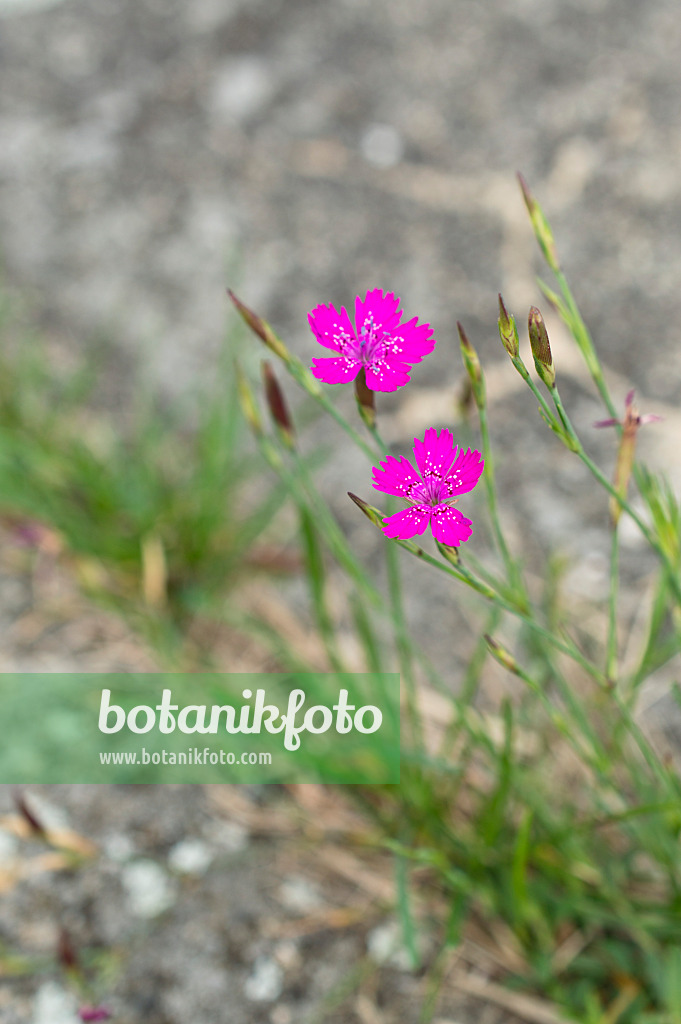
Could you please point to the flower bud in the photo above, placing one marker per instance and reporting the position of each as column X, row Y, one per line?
column 473, row 368
column 508, row 332
column 365, row 400
column 247, row 402
column 261, row 328
column 450, row 553
column 501, row 655
column 373, row 514
column 540, row 226
column 541, row 350
column 277, row 405
column 66, row 952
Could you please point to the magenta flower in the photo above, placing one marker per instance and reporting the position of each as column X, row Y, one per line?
column 445, row 472
column 94, row 1013
column 632, row 418
column 378, row 342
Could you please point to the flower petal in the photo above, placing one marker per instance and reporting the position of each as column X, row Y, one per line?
column 435, row 453
column 396, row 476
column 408, row 523
column 411, row 341
column 333, row 329
column 377, row 310
column 465, row 472
column 449, row 526
column 335, row 371
column 382, row 375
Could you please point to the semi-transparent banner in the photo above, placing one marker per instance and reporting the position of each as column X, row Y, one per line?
column 199, row 728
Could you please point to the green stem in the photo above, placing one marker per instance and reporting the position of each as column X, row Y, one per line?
column 461, row 574
column 611, row 656
column 404, row 651
column 512, row 570
column 471, row 682
column 622, row 501
column 586, row 345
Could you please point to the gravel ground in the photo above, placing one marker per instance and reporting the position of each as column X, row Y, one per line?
column 303, row 151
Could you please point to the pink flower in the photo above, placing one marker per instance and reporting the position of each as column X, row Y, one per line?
column 445, row 472
column 378, row 342
column 632, row 418
column 94, row 1013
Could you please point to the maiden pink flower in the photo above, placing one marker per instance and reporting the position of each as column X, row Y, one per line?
column 377, row 341
column 445, row 472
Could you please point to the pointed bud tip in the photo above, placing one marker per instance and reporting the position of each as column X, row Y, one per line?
column 373, row 514
column 525, row 189
column 472, row 365
column 260, row 327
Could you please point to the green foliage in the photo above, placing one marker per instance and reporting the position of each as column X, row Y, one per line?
column 552, row 821
column 149, row 506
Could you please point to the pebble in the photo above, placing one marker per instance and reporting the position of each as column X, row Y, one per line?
column 190, row 857
column 241, row 88
column 385, row 945
column 8, row 846
column 148, row 888
column 228, row 836
column 265, row 982
column 54, row 1005
column 299, row 895
column 382, row 145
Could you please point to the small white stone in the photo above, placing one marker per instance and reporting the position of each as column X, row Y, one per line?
column 190, row 857
column 299, row 895
column 265, row 982
column 385, row 945
column 54, row 1005
column 148, row 888
column 228, row 835
column 241, row 88
column 8, row 846
column 382, row 145
column 119, row 848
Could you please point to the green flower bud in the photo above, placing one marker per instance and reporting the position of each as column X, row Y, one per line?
column 373, row 514
column 261, row 328
column 501, row 655
column 508, row 332
column 540, row 226
column 473, row 368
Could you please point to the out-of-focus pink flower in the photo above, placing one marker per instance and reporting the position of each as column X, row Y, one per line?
column 31, row 533
column 625, row 453
column 94, row 1013
column 377, row 341
column 632, row 418
column 444, row 472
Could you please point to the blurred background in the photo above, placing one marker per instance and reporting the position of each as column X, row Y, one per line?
column 154, row 152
